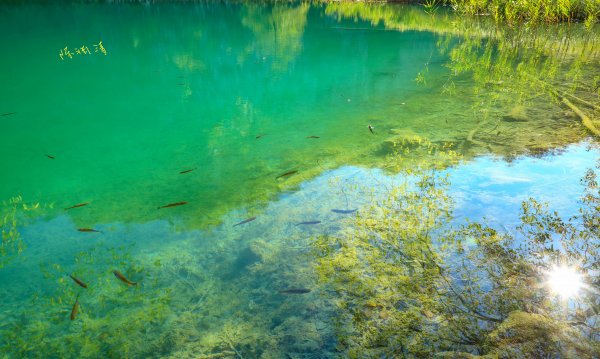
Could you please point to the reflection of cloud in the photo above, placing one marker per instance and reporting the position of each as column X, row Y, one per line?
column 501, row 177
column 278, row 34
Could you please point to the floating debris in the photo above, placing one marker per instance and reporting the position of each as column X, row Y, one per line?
column 75, row 308
column 309, row 222
column 50, row 157
column 78, row 281
column 186, row 171
column 286, row 174
column 344, row 211
column 173, row 205
column 313, row 137
column 88, row 230
column 122, row 278
column 77, row 205
column 295, row 291
column 245, row 221
column 8, row 114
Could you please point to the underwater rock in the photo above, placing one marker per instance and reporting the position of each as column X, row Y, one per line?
column 516, row 114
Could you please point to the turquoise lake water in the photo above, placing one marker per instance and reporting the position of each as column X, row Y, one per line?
column 240, row 94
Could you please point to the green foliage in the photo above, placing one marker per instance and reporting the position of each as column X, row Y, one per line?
column 534, row 11
column 409, row 285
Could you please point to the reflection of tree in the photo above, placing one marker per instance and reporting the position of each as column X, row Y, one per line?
column 408, row 285
column 278, row 31
column 521, row 82
column 527, row 88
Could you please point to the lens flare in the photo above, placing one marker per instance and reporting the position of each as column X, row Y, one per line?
column 565, row 281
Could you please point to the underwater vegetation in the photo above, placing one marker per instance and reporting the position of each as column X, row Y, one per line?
column 377, row 271
column 520, row 86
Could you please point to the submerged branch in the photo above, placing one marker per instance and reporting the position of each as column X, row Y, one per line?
column 585, row 120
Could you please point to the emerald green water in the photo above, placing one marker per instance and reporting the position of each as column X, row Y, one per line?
column 192, row 86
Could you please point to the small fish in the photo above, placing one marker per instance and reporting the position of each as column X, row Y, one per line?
column 78, row 281
column 344, row 211
column 173, row 205
column 122, row 278
column 286, row 174
column 50, row 157
column 180, row 84
column 261, row 135
column 78, row 205
column 186, row 171
column 8, row 114
column 75, row 308
column 88, row 230
column 245, row 221
column 313, row 137
column 371, row 128
column 309, row 222
column 295, row 291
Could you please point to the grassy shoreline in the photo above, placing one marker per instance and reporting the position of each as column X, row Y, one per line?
column 514, row 12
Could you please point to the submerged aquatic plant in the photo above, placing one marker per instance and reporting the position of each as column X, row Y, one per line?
column 113, row 320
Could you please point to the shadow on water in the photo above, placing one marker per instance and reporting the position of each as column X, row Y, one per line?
column 492, row 96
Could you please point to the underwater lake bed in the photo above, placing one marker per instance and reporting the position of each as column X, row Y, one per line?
column 296, row 180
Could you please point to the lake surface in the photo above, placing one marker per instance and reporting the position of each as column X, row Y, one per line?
column 241, row 111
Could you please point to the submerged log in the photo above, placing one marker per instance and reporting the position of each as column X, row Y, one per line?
column 585, row 120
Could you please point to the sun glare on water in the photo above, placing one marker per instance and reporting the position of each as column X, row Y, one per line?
column 565, row 281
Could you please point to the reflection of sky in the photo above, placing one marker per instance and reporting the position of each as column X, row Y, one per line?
column 485, row 187
column 494, row 189
column 488, row 187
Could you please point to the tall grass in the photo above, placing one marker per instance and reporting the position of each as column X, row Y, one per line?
column 515, row 11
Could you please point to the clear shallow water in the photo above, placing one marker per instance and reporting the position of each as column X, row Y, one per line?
column 191, row 87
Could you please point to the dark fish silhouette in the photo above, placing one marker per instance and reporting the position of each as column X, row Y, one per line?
column 173, row 205
column 344, row 211
column 261, row 135
column 313, row 137
column 180, row 84
column 245, row 221
column 78, row 281
column 78, row 205
column 75, row 308
column 122, row 278
column 50, row 157
column 8, row 113
column 286, row 174
column 186, row 171
column 88, row 230
column 309, row 222
column 295, row 291
column 371, row 128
